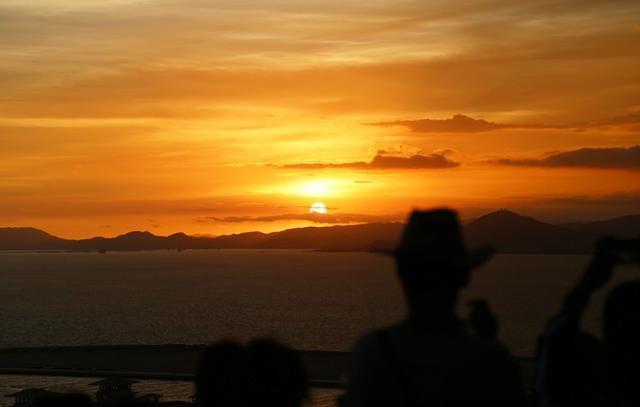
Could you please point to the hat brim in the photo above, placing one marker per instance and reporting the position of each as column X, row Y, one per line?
column 471, row 258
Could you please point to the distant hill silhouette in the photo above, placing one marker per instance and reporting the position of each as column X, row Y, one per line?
column 625, row 226
column 30, row 239
column 509, row 232
column 506, row 230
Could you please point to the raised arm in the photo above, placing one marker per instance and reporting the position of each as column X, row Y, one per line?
column 596, row 275
column 569, row 359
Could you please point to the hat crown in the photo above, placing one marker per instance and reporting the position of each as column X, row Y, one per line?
column 436, row 232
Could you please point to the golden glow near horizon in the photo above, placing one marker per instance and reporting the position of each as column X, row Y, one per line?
column 316, row 188
column 219, row 117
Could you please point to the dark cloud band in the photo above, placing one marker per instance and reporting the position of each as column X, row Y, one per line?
column 386, row 162
column 614, row 158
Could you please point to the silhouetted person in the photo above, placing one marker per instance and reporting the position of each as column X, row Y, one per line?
column 261, row 374
column 430, row 359
column 578, row 369
column 221, row 376
column 278, row 377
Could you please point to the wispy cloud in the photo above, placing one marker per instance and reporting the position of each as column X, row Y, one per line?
column 457, row 124
column 179, row 58
column 460, row 123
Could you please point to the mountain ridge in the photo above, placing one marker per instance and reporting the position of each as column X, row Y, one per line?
column 507, row 231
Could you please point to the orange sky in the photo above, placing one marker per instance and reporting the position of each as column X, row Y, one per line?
column 225, row 116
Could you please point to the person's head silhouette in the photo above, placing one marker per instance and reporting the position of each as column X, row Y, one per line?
column 434, row 264
column 221, row 376
column 278, row 377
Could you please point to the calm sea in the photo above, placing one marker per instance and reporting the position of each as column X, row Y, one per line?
column 307, row 299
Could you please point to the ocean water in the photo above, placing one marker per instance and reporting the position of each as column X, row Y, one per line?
column 307, row 299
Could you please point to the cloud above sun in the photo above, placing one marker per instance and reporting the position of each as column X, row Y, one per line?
column 382, row 161
column 459, row 123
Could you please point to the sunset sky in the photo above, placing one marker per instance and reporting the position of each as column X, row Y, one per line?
column 215, row 117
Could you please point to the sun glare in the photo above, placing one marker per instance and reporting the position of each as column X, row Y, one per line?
column 315, row 188
column 318, row 207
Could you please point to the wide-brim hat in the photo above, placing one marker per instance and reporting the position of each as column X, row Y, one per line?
column 436, row 236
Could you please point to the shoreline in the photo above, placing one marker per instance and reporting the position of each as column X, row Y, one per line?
column 159, row 362
column 172, row 362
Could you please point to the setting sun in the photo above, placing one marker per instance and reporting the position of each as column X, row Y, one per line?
column 318, row 207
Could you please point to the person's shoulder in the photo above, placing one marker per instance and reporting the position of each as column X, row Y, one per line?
column 367, row 342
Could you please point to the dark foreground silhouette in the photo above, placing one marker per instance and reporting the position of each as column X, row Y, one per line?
column 260, row 374
column 578, row 369
column 431, row 358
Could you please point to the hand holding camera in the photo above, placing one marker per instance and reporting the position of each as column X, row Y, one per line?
column 482, row 319
column 609, row 253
